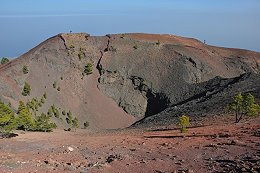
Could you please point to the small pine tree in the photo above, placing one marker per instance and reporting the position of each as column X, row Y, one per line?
column 24, row 119
column 45, row 95
column 184, row 122
column 4, row 60
column 54, row 84
column 25, row 69
column 88, row 68
column 75, row 123
column 86, row 124
column 26, row 89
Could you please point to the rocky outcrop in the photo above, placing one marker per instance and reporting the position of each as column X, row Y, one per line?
column 145, row 74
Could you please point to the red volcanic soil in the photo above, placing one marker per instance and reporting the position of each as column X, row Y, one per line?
column 221, row 147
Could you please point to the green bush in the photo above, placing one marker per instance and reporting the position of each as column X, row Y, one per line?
column 75, row 123
column 25, row 69
column 54, row 84
column 26, row 89
column 184, row 122
column 86, row 124
column 4, row 60
column 45, row 95
column 81, row 55
column 88, row 68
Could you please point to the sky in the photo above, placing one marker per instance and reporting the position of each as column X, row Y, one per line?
column 226, row 23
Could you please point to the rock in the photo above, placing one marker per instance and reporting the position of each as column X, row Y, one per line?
column 70, row 149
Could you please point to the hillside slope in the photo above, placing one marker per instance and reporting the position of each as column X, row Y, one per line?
column 136, row 76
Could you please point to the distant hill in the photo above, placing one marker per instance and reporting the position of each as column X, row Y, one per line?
column 147, row 78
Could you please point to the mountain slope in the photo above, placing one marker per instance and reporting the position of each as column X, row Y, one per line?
column 134, row 76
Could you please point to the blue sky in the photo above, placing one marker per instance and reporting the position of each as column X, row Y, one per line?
column 227, row 23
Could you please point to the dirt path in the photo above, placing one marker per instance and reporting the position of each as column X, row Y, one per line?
column 218, row 148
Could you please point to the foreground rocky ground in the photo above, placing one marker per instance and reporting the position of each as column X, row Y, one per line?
column 222, row 147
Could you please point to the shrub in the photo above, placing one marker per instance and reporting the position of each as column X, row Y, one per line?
column 4, row 60
column 158, row 43
column 55, row 111
column 61, row 78
column 42, row 100
column 75, row 123
column 58, row 89
column 72, row 46
column 25, row 69
column 81, row 55
column 88, row 68
column 86, row 124
column 244, row 105
column 184, row 122
column 135, row 47
column 54, row 84
column 26, row 89
column 45, row 95
column 63, row 112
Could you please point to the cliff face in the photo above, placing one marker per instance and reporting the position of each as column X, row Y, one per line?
column 134, row 75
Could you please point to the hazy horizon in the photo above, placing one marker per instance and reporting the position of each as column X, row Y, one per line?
column 233, row 23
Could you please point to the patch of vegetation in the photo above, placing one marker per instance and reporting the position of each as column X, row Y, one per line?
column 26, row 89
column 61, row 78
column 25, row 69
column 63, row 112
column 53, row 111
column 135, row 47
column 54, row 84
column 72, row 46
column 4, row 60
column 43, row 124
column 113, row 49
column 58, row 89
column 88, row 69
column 86, row 124
column 69, row 118
column 34, row 105
column 81, row 55
column 158, row 43
column 184, row 122
column 7, row 118
column 45, row 95
column 244, row 105
column 24, row 119
column 75, row 123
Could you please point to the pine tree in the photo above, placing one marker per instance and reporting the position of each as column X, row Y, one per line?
column 244, row 105
column 24, row 119
column 42, row 123
column 7, row 119
column 26, row 89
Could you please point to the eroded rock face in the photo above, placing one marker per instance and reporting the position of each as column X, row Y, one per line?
column 145, row 77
